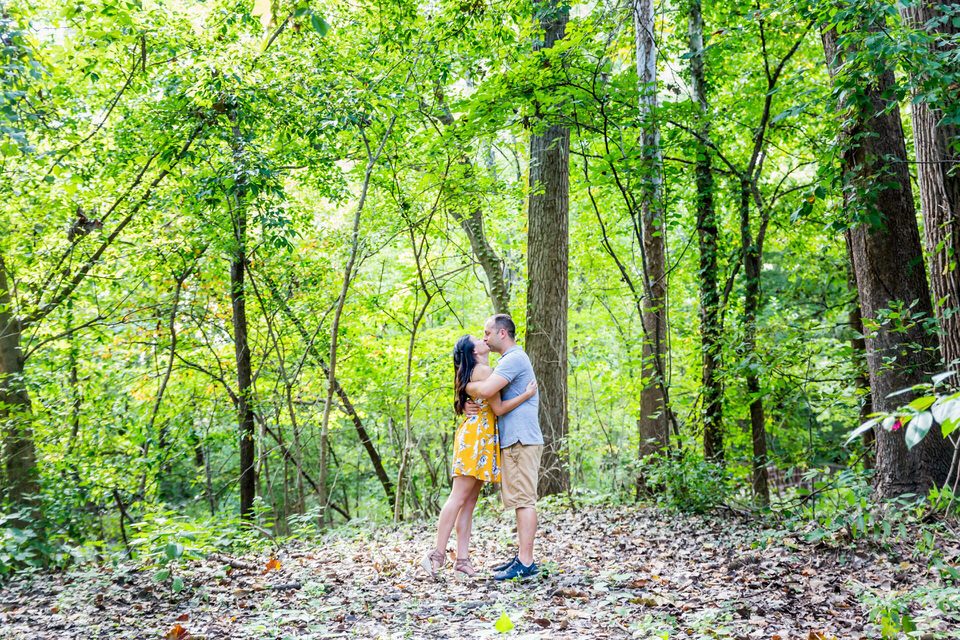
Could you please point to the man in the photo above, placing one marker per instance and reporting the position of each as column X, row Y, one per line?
column 521, row 443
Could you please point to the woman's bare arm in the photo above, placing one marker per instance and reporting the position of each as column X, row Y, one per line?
column 501, row 407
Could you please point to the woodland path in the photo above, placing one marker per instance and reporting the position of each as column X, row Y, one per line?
column 611, row 572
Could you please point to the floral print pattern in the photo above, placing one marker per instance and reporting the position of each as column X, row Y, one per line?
column 476, row 451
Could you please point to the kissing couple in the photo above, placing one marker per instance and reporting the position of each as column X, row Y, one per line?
column 498, row 440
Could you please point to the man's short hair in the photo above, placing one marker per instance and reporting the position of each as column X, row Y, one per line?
column 505, row 322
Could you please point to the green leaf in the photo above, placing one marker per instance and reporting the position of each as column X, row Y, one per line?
column 942, row 409
column 177, row 584
column 922, row 403
column 161, row 575
column 319, row 25
column 503, row 624
column 866, row 426
column 949, row 426
column 918, row 428
column 173, row 550
column 940, row 377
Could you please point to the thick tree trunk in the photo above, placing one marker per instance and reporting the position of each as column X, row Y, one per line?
column 861, row 379
column 707, row 236
column 20, row 483
column 547, row 260
column 752, row 254
column 938, row 176
column 654, row 429
column 888, row 266
column 238, row 300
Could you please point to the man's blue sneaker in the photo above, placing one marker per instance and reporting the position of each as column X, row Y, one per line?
column 506, row 565
column 517, row 571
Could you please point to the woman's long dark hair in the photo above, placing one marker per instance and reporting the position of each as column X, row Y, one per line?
column 464, row 362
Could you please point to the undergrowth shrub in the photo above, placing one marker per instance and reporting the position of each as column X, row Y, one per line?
column 686, row 481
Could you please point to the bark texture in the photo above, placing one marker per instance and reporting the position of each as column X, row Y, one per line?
column 19, row 455
column 547, row 260
column 938, row 177
column 889, row 271
column 861, row 380
column 654, row 430
column 707, row 236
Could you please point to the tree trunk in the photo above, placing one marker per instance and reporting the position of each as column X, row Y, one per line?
column 751, row 305
column 20, row 483
column 348, row 273
column 654, row 430
column 888, row 266
column 238, row 300
column 547, row 263
column 938, row 176
column 707, row 236
column 342, row 395
column 472, row 225
column 861, row 380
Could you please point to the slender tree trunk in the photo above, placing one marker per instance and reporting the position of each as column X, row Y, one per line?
column 419, row 256
column 654, row 429
column 372, row 158
column 238, row 300
column 342, row 395
column 20, row 483
column 707, row 237
column 547, row 264
column 888, row 265
column 472, row 225
column 73, row 357
column 751, row 305
column 938, row 176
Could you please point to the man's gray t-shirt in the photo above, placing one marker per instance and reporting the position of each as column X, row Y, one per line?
column 522, row 424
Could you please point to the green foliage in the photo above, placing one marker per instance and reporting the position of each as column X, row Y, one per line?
column 686, row 482
column 22, row 544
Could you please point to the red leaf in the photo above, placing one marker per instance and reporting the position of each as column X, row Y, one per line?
column 273, row 564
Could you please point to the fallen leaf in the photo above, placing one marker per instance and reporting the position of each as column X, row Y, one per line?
column 543, row 622
column 177, row 633
column 273, row 564
column 503, row 624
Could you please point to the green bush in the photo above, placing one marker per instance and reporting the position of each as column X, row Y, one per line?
column 686, row 481
column 23, row 544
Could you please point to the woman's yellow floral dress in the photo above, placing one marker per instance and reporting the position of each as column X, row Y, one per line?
column 476, row 451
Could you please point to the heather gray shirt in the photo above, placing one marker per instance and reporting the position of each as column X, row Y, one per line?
column 522, row 424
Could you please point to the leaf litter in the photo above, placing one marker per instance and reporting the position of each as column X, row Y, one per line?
column 607, row 572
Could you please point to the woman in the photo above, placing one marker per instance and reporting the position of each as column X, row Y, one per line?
column 476, row 457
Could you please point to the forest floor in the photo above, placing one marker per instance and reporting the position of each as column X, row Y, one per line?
column 608, row 572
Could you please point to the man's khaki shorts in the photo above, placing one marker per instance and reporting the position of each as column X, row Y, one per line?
column 519, row 470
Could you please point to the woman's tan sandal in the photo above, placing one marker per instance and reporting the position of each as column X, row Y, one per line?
column 463, row 569
column 433, row 562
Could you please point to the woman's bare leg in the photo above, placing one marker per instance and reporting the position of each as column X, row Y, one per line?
column 465, row 521
column 463, row 488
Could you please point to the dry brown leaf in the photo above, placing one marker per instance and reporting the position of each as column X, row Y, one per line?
column 177, row 633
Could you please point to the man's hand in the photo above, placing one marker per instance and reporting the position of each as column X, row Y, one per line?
column 532, row 387
column 471, row 408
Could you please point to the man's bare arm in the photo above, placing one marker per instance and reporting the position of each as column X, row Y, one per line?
column 488, row 387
